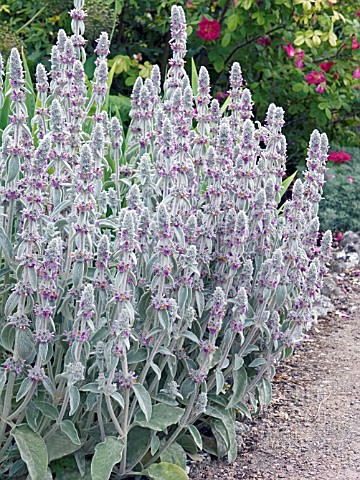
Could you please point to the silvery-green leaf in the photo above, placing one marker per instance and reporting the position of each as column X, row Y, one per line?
column 24, row 343
column 191, row 336
column 154, row 445
column 59, row 445
column 156, row 369
column 200, row 302
column 118, row 398
column 257, row 362
column 6, row 245
column 3, row 376
column 46, row 409
column 13, row 168
column 32, row 415
column 11, row 303
column 8, row 337
column 24, row 388
column 162, row 417
column 281, row 295
column 166, row 471
column 182, row 297
column 174, row 454
column 78, row 273
column 239, row 362
column 69, row 429
column 239, row 387
column 220, row 381
column 144, row 400
column 107, row 455
column 32, row 449
column 74, row 399
column 196, row 436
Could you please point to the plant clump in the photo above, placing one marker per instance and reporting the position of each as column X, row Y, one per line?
column 150, row 282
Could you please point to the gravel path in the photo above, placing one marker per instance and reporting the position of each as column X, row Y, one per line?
column 312, row 428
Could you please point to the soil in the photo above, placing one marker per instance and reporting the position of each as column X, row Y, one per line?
column 312, row 428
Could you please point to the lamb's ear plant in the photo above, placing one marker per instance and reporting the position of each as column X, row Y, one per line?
column 149, row 284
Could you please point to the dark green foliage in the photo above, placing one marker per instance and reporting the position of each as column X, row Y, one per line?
column 340, row 208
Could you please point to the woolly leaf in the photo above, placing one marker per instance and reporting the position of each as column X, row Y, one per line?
column 32, row 449
column 107, row 455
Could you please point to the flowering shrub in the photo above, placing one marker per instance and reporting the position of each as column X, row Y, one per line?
column 339, row 157
column 150, row 284
column 315, row 32
column 339, row 209
column 208, row 29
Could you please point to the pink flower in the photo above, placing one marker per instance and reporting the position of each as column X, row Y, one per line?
column 299, row 53
column 208, row 29
column 314, row 78
column 289, row 49
column 350, row 179
column 336, row 76
column 266, row 41
column 326, row 66
column 356, row 74
column 358, row 13
column 355, row 44
column 298, row 60
column 338, row 237
column 321, row 87
column 299, row 63
column 339, row 157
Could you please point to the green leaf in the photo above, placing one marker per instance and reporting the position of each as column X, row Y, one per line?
column 166, row 471
column 239, row 387
column 196, row 436
column 33, row 451
column 69, row 429
column 225, row 105
column 46, row 409
column 30, row 97
column 107, row 454
column 232, row 22
column 219, row 64
column 286, row 184
column 298, row 87
column 162, row 417
column 226, row 39
column 194, row 78
column 59, row 445
column 143, row 399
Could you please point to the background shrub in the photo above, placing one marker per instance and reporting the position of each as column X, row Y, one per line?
column 323, row 31
column 340, row 207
